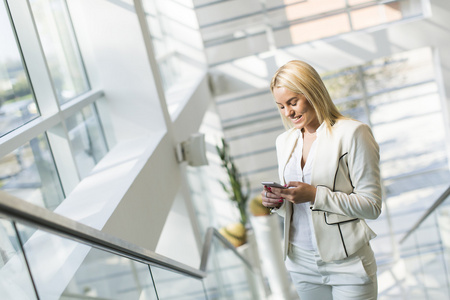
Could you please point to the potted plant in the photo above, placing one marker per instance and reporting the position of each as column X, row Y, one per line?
column 239, row 234
column 236, row 233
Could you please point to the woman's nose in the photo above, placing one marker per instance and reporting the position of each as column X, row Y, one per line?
column 287, row 112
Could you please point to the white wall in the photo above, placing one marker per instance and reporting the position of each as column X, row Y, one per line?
column 116, row 59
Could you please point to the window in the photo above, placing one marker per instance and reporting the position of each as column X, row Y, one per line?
column 399, row 96
column 44, row 161
column 17, row 102
column 176, row 41
column 312, row 20
column 29, row 173
column 60, row 47
column 86, row 138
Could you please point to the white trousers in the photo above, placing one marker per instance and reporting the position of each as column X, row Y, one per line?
column 353, row 278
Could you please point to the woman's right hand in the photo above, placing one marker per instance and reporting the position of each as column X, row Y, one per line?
column 270, row 198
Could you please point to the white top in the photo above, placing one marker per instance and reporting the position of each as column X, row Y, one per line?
column 302, row 231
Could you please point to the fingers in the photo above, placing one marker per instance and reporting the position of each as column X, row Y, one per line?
column 275, row 191
column 269, row 198
column 299, row 192
column 294, row 184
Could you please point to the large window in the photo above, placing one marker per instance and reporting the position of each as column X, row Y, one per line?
column 43, row 161
column 60, row 48
column 399, row 97
column 17, row 103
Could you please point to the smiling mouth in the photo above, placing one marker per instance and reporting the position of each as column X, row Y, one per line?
column 296, row 118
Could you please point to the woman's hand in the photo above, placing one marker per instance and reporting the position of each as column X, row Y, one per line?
column 270, row 199
column 297, row 192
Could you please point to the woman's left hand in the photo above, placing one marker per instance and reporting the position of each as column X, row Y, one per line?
column 297, row 192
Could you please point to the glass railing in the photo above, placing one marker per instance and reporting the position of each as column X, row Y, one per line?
column 425, row 251
column 46, row 256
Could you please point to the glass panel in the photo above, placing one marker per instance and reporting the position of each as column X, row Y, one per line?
column 346, row 90
column 17, row 104
column 15, row 281
column 60, row 48
column 320, row 28
column 214, row 281
column 176, row 40
column 399, row 98
column 29, row 173
column 65, row 269
column 405, row 104
column 312, row 7
column 401, row 70
column 426, row 254
column 170, row 285
column 228, row 276
column 375, row 15
column 106, row 276
column 87, row 139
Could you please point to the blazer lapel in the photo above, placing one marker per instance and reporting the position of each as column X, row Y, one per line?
column 290, row 142
column 287, row 149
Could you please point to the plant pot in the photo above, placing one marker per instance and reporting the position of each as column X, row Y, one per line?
column 235, row 233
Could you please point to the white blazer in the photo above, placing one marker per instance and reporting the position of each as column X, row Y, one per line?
column 346, row 174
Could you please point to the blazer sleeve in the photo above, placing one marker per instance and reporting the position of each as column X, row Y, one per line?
column 364, row 172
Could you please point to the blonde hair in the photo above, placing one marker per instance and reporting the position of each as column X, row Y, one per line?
column 301, row 78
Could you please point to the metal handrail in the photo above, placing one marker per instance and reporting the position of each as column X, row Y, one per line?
column 19, row 210
column 433, row 207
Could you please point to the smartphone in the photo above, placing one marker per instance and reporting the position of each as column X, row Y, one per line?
column 273, row 184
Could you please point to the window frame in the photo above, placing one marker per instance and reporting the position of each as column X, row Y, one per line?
column 51, row 121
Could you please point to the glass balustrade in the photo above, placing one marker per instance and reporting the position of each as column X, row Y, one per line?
column 15, row 280
column 228, row 276
column 38, row 264
column 171, row 285
column 66, row 269
column 426, row 255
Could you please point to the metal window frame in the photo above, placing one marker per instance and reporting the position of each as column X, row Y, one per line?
column 52, row 113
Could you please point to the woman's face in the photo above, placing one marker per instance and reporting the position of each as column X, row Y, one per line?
column 296, row 108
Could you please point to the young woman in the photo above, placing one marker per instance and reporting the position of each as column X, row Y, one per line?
column 330, row 166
